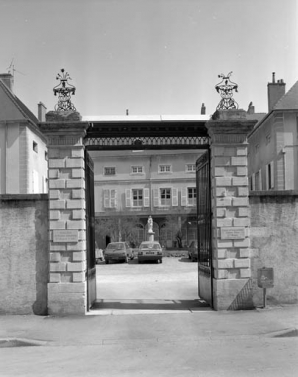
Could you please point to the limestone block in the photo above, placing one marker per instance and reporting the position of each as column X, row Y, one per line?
column 75, row 203
column 224, row 263
column 57, row 246
column 242, row 211
column 56, row 163
column 78, row 266
column 224, row 243
column 242, row 171
column 61, row 153
column 221, row 274
column 236, row 161
column 79, row 277
column 54, row 194
column 57, row 224
column 244, row 252
column 242, row 263
column 243, row 221
column 221, row 191
column 66, row 288
column 78, row 214
column 224, row 222
column 242, row 191
column 241, row 151
column 54, row 215
column 53, row 173
column 55, row 257
column 57, row 183
column 245, row 273
column 76, row 246
column 77, row 152
column 239, row 181
column 55, row 278
column 78, row 194
column 79, row 256
column 237, row 202
column 220, row 212
column 75, row 183
column 223, row 181
column 242, row 243
column 223, row 202
column 58, row 266
column 75, row 163
column 78, row 173
column 222, row 161
column 76, row 224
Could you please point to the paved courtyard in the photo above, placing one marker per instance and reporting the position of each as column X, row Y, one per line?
column 171, row 285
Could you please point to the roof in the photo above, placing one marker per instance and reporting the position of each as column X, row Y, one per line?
column 288, row 101
column 138, row 118
column 27, row 114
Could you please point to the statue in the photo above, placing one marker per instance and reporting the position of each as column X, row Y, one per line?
column 150, row 225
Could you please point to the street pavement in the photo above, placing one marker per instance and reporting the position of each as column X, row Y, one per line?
column 141, row 329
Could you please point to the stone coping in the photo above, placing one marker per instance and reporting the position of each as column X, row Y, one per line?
column 7, row 197
column 273, row 193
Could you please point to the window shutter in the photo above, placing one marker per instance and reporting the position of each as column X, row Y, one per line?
column 113, row 198
column 155, row 198
column 267, row 177
column 106, row 198
column 260, row 180
column 184, row 197
column 272, row 174
column 128, row 197
column 146, row 198
column 253, row 182
column 175, row 197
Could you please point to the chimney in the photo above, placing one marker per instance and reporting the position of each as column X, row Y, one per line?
column 275, row 91
column 251, row 108
column 8, row 80
column 203, row 109
column 41, row 112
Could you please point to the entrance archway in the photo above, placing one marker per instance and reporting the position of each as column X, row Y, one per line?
column 226, row 136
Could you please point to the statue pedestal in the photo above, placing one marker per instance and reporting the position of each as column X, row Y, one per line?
column 151, row 236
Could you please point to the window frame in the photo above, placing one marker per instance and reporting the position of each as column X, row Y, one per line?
column 166, row 171
column 109, row 167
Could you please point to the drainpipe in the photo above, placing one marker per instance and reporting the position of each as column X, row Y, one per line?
column 5, row 162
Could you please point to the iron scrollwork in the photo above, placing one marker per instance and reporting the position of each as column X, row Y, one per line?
column 64, row 91
column 225, row 89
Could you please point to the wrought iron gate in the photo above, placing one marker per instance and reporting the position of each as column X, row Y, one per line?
column 90, row 231
column 204, row 227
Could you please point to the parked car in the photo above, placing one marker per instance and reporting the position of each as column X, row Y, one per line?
column 118, row 251
column 193, row 251
column 150, row 250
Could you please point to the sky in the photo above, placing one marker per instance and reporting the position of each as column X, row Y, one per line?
column 153, row 57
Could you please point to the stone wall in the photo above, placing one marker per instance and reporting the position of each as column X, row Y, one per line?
column 274, row 243
column 24, row 254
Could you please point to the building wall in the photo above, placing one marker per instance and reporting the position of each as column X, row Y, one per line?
column 23, row 169
column 274, row 142
column 113, row 194
column 274, row 235
column 24, row 254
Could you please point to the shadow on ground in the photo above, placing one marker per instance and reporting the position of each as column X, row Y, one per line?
column 141, row 304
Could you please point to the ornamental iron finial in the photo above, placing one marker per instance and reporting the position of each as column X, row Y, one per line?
column 64, row 90
column 225, row 89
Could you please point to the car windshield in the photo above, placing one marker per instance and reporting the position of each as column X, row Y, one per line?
column 150, row 246
column 117, row 246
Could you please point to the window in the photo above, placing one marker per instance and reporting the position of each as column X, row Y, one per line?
column 258, row 181
column 192, row 196
column 109, row 198
column 137, row 169
column 46, row 156
column 270, row 176
column 35, row 147
column 137, row 198
column 190, row 168
column 111, row 170
column 268, row 139
column 165, row 196
column 165, row 168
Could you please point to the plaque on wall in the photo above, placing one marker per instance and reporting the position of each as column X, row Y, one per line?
column 232, row 233
column 65, row 235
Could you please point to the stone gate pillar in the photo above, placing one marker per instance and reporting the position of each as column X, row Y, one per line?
column 232, row 285
column 67, row 287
